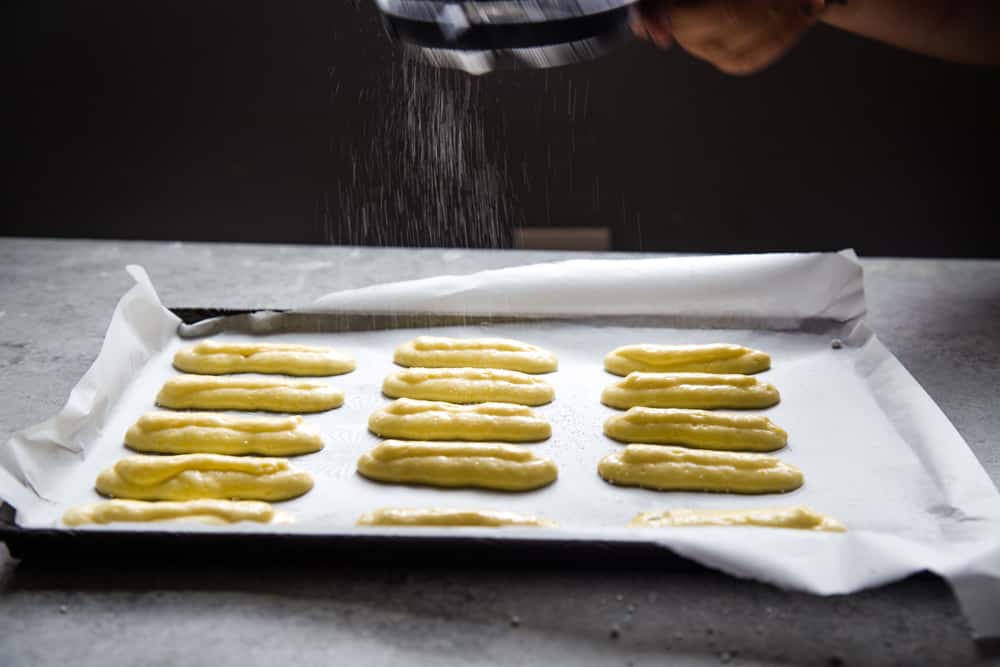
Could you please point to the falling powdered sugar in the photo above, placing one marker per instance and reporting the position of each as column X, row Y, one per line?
column 425, row 176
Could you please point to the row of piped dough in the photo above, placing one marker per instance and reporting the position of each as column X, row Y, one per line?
column 460, row 403
column 675, row 441
column 229, row 511
column 207, row 464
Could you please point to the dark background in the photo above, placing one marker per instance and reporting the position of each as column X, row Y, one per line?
column 246, row 121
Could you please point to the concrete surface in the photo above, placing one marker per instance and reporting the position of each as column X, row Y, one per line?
column 939, row 317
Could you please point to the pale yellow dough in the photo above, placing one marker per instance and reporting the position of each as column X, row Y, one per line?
column 468, row 385
column 715, row 358
column 202, row 392
column 689, row 390
column 390, row 516
column 437, row 420
column 221, row 358
column 801, row 518
column 703, row 429
column 665, row 468
column 216, row 433
column 196, row 476
column 457, row 464
column 206, row 511
column 441, row 352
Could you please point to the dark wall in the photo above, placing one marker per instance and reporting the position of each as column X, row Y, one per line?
column 249, row 120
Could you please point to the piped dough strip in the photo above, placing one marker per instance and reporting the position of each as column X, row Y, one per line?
column 197, row 476
column 438, row 420
column 505, row 353
column 666, row 468
column 457, row 464
column 206, row 392
column 702, row 429
column 800, row 518
column 394, row 516
column 468, row 385
column 690, row 390
column 713, row 358
column 217, row 433
column 213, row 358
column 205, row 511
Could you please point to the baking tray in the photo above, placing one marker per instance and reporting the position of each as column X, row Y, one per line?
column 511, row 546
column 421, row 550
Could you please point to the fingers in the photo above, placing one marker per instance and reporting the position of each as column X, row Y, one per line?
column 651, row 20
column 765, row 49
column 737, row 36
column 740, row 36
column 747, row 39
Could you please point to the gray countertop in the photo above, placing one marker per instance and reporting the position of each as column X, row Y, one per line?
column 940, row 317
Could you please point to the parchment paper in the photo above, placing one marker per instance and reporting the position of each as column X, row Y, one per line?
column 876, row 452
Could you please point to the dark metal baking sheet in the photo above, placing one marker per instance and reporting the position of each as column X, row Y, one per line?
column 418, row 550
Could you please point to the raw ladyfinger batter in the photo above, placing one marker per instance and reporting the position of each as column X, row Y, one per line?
column 715, row 358
column 390, row 516
column 665, row 468
column 196, row 476
column 458, row 464
column 441, row 352
column 204, row 392
column 437, row 420
column 218, row 433
column 206, row 511
column 689, row 390
column 703, row 429
column 214, row 358
column 468, row 385
column 800, row 518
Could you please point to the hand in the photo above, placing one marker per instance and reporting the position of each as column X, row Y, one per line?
column 737, row 36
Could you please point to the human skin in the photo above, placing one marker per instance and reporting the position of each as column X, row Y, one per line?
column 745, row 36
